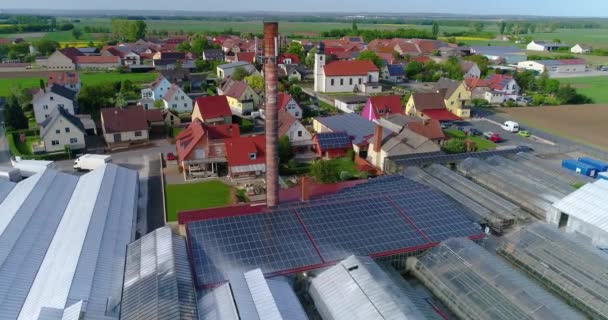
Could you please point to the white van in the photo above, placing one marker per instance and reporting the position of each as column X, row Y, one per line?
column 511, row 126
column 90, row 162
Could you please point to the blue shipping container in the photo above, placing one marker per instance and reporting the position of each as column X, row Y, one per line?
column 602, row 175
column 600, row 165
column 579, row 167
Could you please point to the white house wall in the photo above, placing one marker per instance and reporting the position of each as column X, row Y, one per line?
column 41, row 113
column 63, row 137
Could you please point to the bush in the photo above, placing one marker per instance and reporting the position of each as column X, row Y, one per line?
column 453, row 146
column 345, row 175
column 350, row 154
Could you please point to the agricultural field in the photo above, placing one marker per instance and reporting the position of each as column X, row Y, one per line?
column 593, row 87
column 86, row 78
column 582, row 123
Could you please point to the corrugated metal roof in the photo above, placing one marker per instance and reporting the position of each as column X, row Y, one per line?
column 357, row 288
column 588, row 204
column 5, row 188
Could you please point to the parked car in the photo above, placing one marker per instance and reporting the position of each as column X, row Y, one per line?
column 494, row 137
column 510, row 126
column 171, row 156
column 474, row 132
column 524, row 133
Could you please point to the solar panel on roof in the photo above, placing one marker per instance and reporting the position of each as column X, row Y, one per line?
column 423, row 159
column 333, row 140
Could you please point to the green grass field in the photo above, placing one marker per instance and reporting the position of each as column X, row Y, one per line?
column 86, row 78
column 482, row 144
column 65, row 36
column 190, row 196
column 593, row 87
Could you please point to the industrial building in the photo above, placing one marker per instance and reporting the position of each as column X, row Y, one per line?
column 360, row 288
column 249, row 296
column 475, row 284
column 563, row 263
column 158, row 282
column 63, row 240
column 584, row 212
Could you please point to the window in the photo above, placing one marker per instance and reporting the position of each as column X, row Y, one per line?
column 51, row 98
column 252, row 156
column 332, row 82
column 67, row 130
column 185, row 104
column 174, row 105
column 138, row 133
column 359, row 80
column 55, row 142
column 45, row 107
column 321, row 58
column 57, row 131
column 299, row 133
column 369, row 78
column 341, row 82
column 350, row 81
column 73, row 140
column 297, row 114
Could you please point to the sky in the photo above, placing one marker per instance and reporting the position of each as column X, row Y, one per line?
column 581, row 8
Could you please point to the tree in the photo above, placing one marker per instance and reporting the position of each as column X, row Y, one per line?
column 92, row 98
column 239, row 73
column 324, row 171
column 76, row 33
column 354, row 27
column 297, row 49
column 481, row 61
column 477, row 26
column 295, row 92
column 413, row 68
column 435, row 29
column 256, row 82
column 285, row 150
column 452, row 69
column 532, row 28
column 46, row 47
column 159, row 104
column 42, row 84
column 525, row 80
column 372, row 56
column 454, row 146
column 183, row 47
column 501, row 27
column 14, row 117
column 309, row 61
column 140, row 29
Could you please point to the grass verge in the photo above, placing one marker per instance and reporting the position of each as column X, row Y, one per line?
column 482, row 144
column 190, row 196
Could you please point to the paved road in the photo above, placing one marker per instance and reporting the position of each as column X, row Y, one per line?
column 590, row 73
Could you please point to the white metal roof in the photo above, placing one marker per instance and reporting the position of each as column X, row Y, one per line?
column 588, row 204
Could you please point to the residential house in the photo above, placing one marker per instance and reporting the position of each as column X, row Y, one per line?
column 248, row 57
column 428, row 128
column 350, row 104
column 59, row 130
column 505, row 84
column 212, row 110
column 404, row 143
column 300, row 138
column 184, row 78
column 430, row 105
column 581, row 49
column 126, row 56
column 246, row 157
column 359, row 129
column 201, row 149
column 226, row 70
column 470, row 69
column 396, row 122
column 381, row 106
column 124, row 126
column 241, row 97
column 495, row 88
column 536, row 45
column 46, row 100
column 393, row 73
column 500, row 54
column 294, row 72
column 58, row 61
column 330, row 145
column 345, row 76
column 155, row 119
column 67, row 79
column 213, row 55
column 288, row 58
column 157, row 89
column 456, row 96
column 555, row 66
column 287, row 102
column 171, row 118
column 96, row 62
column 176, row 99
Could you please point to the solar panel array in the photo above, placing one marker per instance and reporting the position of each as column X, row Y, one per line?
column 333, row 140
column 420, row 160
column 384, row 215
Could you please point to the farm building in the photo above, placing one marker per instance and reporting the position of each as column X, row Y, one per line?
column 581, row 49
column 360, row 288
column 350, row 104
column 555, row 66
column 475, row 284
column 537, row 45
column 550, row 257
column 158, row 281
column 64, row 240
column 584, row 212
column 508, row 55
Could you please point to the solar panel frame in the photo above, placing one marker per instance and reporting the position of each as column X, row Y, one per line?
column 334, row 140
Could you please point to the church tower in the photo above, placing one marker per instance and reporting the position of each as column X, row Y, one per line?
column 319, row 63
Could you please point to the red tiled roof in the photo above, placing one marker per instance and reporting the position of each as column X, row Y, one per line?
column 234, row 88
column 440, row 115
column 498, row 81
column 245, row 56
column 116, row 52
column 385, row 105
column 187, row 140
column 428, row 100
column 96, row 59
column 213, row 107
column 71, row 53
column 286, row 120
column 154, row 115
column 349, row 68
column 388, row 57
column 117, row 120
column 62, row 78
column 421, row 59
column 336, row 50
column 431, row 129
column 238, row 150
column 473, row 83
column 294, row 58
column 282, row 100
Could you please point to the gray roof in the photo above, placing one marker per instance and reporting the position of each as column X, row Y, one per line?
column 213, row 53
column 497, row 50
column 588, row 204
column 234, row 65
column 352, row 99
column 359, row 129
column 63, row 240
column 397, row 121
column 408, row 142
column 448, row 84
column 359, row 288
column 158, row 283
column 57, row 113
column 63, row 91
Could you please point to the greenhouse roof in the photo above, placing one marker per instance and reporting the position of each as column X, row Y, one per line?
column 588, row 204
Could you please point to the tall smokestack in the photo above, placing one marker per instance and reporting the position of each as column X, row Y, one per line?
column 271, row 33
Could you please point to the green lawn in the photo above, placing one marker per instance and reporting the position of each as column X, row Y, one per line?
column 86, row 78
column 345, row 164
column 482, row 144
column 190, row 196
column 66, row 36
column 593, row 87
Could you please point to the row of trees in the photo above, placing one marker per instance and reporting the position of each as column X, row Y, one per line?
column 369, row 35
column 518, row 28
column 128, row 30
column 547, row 91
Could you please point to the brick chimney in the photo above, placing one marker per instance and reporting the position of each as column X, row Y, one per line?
column 271, row 33
column 378, row 138
column 305, row 189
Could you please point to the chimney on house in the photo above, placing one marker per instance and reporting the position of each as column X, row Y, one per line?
column 378, row 138
column 305, row 189
column 271, row 32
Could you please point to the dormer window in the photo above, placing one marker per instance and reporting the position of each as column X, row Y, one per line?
column 51, row 98
column 252, row 156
